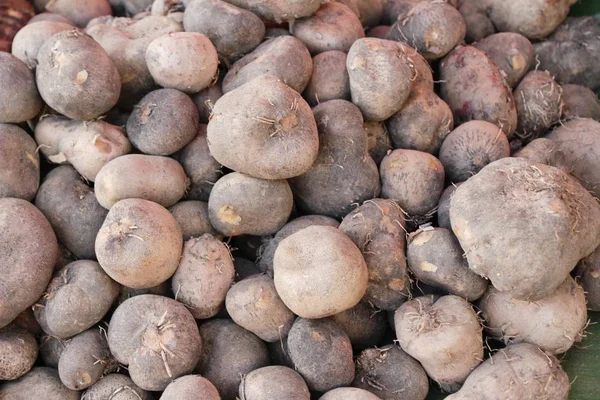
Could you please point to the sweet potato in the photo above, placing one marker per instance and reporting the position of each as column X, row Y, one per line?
column 79, row 12
column 566, row 215
column 364, row 324
column 121, row 387
column 156, row 337
column 30, row 38
column 18, row 352
column 19, row 163
column 20, row 98
column 329, row 79
column 579, row 102
column 319, row 272
column 273, row 382
column 40, row 380
column 190, row 386
column 348, row 393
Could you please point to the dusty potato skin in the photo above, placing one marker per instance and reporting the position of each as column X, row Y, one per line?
column 228, row 353
column 391, row 374
column 379, row 142
column 156, row 337
column 333, row 27
column 538, row 99
column 534, row 19
column 205, row 101
column 321, row 352
column 204, row 276
column 329, row 79
column 370, row 12
column 470, row 147
column 422, row 123
column 48, row 16
column 393, row 8
column 30, row 38
column 443, row 334
column 435, row 257
column 20, row 98
column 533, row 192
column 25, row 265
column 121, row 387
column 478, row 24
column 139, row 244
column 163, row 122
column 38, row 380
column 18, row 352
column 267, row 117
column 433, row 28
column 588, row 274
column 19, row 163
column 581, row 155
column 544, row 151
column 413, row 179
column 192, row 217
column 189, row 387
column 579, row 102
column 158, row 179
column 364, row 324
column 381, row 77
column 78, row 296
column 274, row 382
column 72, row 209
column 254, row 304
column 474, row 89
column 348, row 393
column 377, row 227
column 79, row 366
column 185, row 61
column 79, row 12
column 233, row 215
column 516, row 321
column 267, row 251
column 423, row 78
column 233, row 30
column 511, row 52
column 88, row 79
column 344, row 173
column 280, row 10
column 521, row 362
column 319, row 272
column 284, row 57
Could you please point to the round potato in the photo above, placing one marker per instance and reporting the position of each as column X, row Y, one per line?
column 364, row 324
column 579, row 102
column 205, row 101
column 30, row 38
column 348, row 393
column 274, row 382
column 379, row 142
column 189, row 387
column 19, row 163
column 121, row 387
column 40, row 380
column 20, row 98
column 280, row 10
column 329, row 79
column 18, row 352
column 192, row 217
column 79, row 12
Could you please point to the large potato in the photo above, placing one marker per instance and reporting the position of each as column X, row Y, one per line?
column 19, row 163
column 20, row 98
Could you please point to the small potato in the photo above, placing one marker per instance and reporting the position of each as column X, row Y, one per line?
column 156, row 338
column 477, row 22
column 579, row 102
column 321, row 353
column 444, row 335
column 40, row 380
column 280, row 10
column 121, row 387
column 88, row 79
column 443, row 208
column 72, row 209
column 205, row 101
column 238, row 202
column 422, row 123
column 164, row 122
column 158, row 179
column 329, row 78
column 88, row 146
column 474, row 89
column 511, row 52
column 348, row 393
column 370, row 12
column 18, row 352
column 254, row 304
column 85, row 359
column 244, row 268
column 229, row 352
column 19, row 163
column 433, row 28
column 364, row 324
column 435, row 257
column 139, row 244
column 189, row 387
column 319, row 272
column 470, row 147
column 273, row 382
column 377, row 227
column 285, row 57
column 391, row 374
column 50, row 350
column 79, row 12
column 30, row 38
column 264, row 117
column 78, row 296
column 521, row 362
column 20, row 98
column 204, row 276
column 26, row 264
column 333, row 27
column 413, row 179
column 185, row 61
column 544, row 151
column 192, row 217
column 344, row 173
column 379, row 142
column 233, row 31
column 381, row 77
column 588, row 274
column 538, row 99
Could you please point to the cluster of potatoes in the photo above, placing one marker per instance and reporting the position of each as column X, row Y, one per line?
column 296, row 199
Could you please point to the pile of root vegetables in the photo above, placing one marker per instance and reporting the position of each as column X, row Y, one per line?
column 296, row 199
